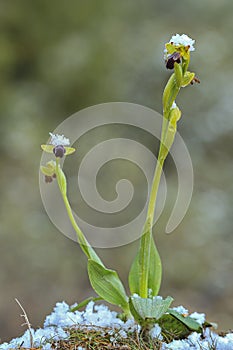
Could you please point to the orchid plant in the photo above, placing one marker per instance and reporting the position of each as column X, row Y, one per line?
column 143, row 304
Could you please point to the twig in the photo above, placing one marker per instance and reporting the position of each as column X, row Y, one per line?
column 27, row 323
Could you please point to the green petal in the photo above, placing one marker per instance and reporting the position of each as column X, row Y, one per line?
column 47, row 148
column 69, row 150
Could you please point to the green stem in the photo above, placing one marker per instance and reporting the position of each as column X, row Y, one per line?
column 85, row 246
column 154, row 189
column 145, row 260
column 170, row 93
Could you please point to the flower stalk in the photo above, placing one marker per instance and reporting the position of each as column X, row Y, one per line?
column 177, row 56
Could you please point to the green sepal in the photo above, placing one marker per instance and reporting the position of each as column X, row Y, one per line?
column 107, row 284
column 146, row 260
column 145, row 309
column 170, row 48
column 69, row 150
column 84, row 303
column 47, row 148
column 188, row 321
column 188, row 77
column 50, row 148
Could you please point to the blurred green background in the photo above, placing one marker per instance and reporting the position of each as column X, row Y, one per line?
column 57, row 57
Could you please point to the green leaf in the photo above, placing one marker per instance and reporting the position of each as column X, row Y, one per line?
column 149, row 308
column 84, row 303
column 169, row 95
column 154, row 267
column 187, row 321
column 172, row 328
column 178, row 73
column 107, row 284
column 61, row 179
column 175, row 115
column 188, row 77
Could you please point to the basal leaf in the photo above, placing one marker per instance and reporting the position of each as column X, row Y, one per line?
column 149, row 308
column 84, row 303
column 154, row 273
column 187, row 321
column 107, row 284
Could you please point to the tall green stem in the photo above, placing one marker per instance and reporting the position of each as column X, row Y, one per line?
column 154, row 189
column 167, row 137
column 85, row 246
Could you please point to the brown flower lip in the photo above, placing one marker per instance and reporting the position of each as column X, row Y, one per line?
column 175, row 57
column 59, row 151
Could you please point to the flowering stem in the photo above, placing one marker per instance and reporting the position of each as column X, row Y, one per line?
column 85, row 246
column 105, row 282
column 146, row 239
column 170, row 117
column 155, row 187
column 172, row 89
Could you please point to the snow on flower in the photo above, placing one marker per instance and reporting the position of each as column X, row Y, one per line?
column 183, row 40
column 59, row 140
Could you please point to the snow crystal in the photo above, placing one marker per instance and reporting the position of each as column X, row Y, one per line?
column 100, row 316
column 181, row 310
column 155, row 332
column 59, row 140
column 183, row 40
column 200, row 318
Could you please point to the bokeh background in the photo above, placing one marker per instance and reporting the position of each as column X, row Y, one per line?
column 57, row 57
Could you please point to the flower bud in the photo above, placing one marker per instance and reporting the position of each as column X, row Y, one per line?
column 59, row 151
column 48, row 179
